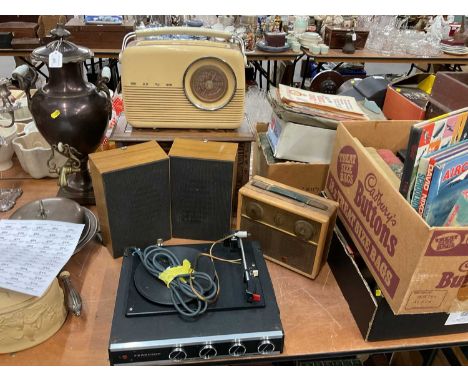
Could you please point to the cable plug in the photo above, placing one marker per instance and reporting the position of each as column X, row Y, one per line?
column 242, row 234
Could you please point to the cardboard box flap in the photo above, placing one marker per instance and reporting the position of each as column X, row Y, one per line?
column 370, row 134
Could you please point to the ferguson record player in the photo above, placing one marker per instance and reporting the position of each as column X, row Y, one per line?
column 243, row 321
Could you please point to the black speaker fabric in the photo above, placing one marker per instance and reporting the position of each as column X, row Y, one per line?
column 138, row 205
column 201, row 198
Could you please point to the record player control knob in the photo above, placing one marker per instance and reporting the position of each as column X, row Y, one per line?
column 266, row 347
column 237, row 349
column 207, row 352
column 254, row 210
column 178, row 354
column 303, row 230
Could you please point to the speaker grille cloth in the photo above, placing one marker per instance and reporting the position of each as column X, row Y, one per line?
column 201, row 198
column 171, row 105
column 138, row 205
column 280, row 246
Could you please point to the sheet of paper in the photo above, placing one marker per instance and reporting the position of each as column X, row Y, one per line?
column 32, row 253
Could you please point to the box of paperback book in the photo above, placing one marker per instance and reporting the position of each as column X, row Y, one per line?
column 419, row 269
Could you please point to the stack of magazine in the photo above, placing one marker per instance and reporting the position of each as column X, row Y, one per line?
column 435, row 173
column 339, row 108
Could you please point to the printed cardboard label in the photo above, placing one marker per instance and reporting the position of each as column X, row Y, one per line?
column 426, row 299
column 348, row 212
column 448, row 243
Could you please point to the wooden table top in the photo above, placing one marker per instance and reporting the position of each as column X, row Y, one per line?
column 365, row 55
column 315, row 316
column 123, row 132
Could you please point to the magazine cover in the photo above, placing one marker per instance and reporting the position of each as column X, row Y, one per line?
column 458, row 217
column 428, row 136
column 439, row 210
column 425, row 173
column 445, row 171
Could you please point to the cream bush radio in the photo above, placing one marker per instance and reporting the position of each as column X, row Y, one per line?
column 173, row 83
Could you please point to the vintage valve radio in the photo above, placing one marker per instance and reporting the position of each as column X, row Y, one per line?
column 183, row 83
column 294, row 227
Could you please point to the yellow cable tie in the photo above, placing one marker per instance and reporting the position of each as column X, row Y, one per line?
column 171, row 273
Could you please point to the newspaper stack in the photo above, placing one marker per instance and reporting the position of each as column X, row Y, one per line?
column 340, row 108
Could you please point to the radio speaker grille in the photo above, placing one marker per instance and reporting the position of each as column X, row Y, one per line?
column 281, row 247
column 170, row 105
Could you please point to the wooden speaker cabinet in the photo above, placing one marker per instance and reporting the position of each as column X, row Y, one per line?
column 294, row 227
column 132, row 190
column 202, row 185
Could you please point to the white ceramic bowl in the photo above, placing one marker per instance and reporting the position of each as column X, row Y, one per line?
column 7, row 134
column 33, row 152
column 30, row 127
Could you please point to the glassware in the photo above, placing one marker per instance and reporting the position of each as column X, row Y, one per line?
column 300, row 24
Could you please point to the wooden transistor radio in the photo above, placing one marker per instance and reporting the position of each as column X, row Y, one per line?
column 294, row 227
column 133, row 200
column 183, row 83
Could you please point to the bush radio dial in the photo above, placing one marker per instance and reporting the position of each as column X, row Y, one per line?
column 209, row 83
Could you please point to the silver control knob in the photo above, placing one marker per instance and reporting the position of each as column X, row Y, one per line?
column 266, row 347
column 207, row 352
column 178, row 354
column 237, row 349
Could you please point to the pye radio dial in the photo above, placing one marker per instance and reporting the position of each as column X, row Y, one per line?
column 207, row 352
column 254, row 210
column 177, row 354
column 237, row 350
column 279, row 219
column 266, row 347
column 303, row 230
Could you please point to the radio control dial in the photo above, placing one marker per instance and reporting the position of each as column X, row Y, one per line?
column 279, row 219
column 266, row 347
column 237, row 350
column 207, row 352
column 178, row 354
column 254, row 211
column 303, row 230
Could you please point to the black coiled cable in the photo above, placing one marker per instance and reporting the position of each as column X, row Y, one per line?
column 157, row 259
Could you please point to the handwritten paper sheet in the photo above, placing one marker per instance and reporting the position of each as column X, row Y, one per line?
column 32, row 253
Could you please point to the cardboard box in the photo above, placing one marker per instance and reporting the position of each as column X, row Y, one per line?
column 372, row 314
column 404, row 101
column 301, row 143
column 451, row 90
column 420, row 269
column 309, row 177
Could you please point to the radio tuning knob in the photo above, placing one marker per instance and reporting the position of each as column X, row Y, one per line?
column 207, row 352
column 279, row 219
column 266, row 347
column 177, row 354
column 254, row 210
column 303, row 230
column 237, row 350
